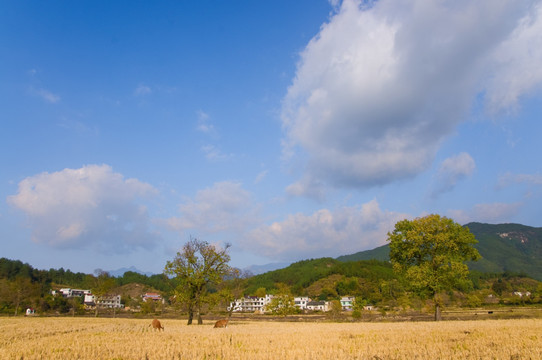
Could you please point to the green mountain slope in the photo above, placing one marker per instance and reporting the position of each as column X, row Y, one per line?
column 508, row 247
column 381, row 253
column 504, row 248
column 303, row 274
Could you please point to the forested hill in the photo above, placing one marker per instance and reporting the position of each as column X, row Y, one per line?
column 11, row 270
column 504, row 248
column 316, row 277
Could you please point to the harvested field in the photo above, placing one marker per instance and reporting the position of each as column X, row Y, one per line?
column 100, row 338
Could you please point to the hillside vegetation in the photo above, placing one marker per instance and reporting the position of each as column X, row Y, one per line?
column 511, row 248
column 507, row 274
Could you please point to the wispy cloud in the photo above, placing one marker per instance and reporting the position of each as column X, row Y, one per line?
column 46, row 95
column 142, row 90
column 510, row 179
column 451, row 171
column 261, row 176
column 203, row 123
column 213, row 153
column 78, row 127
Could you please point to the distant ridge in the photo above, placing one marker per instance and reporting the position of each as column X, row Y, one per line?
column 260, row 269
column 381, row 253
column 120, row 272
column 511, row 248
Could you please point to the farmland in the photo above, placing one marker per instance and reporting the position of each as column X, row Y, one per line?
column 102, row 338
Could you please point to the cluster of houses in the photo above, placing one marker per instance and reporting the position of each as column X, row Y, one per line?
column 90, row 300
column 105, row 301
column 259, row 304
column 245, row 304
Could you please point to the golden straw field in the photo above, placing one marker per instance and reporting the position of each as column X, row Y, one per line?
column 103, row 338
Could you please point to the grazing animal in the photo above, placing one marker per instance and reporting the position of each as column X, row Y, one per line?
column 222, row 323
column 156, row 325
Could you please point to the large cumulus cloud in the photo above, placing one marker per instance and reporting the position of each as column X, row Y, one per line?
column 91, row 207
column 324, row 233
column 384, row 83
column 224, row 207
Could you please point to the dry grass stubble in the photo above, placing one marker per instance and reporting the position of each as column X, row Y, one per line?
column 91, row 338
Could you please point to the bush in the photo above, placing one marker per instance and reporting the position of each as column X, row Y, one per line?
column 356, row 314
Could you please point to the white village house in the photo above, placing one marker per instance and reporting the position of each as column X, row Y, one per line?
column 110, row 301
column 301, row 302
column 318, row 306
column 152, row 297
column 250, row 304
column 347, row 303
column 69, row 293
column 258, row 304
column 106, row 301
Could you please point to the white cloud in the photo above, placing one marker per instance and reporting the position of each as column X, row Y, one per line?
column 91, row 207
column 381, row 86
column 224, row 207
column 142, row 90
column 261, row 176
column 213, row 153
column 47, row 95
column 486, row 213
column 452, row 170
column 509, row 179
column 203, row 123
column 324, row 233
column 309, row 187
column 228, row 210
column 517, row 69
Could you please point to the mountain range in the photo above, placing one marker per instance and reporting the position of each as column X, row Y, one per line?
column 512, row 248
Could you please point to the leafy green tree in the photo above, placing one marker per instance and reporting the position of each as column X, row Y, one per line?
column 282, row 302
column 102, row 285
column 430, row 252
column 347, row 287
column 358, row 308
column 22, row 292
column 148, row 307
column 500, row 286
column 335, row 309
column 198, row 266
column 260, row 292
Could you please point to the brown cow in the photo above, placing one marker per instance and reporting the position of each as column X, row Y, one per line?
column 222, row 323
column 156, row 325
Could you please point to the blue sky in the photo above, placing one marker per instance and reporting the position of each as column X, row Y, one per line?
column 290, row 129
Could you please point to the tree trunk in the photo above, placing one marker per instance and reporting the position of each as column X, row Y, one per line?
column 200, row 320
column 17, row 302
column 438, row 315
column 190, row 316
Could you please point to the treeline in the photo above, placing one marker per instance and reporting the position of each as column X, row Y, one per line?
column 13, row 269
column 23, row 286
column 373, row 281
